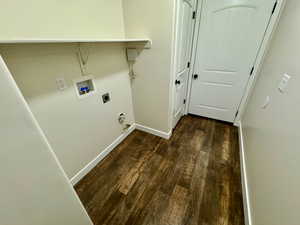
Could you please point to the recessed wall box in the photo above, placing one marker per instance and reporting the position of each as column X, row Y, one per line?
column 85, row 86
column 106, row 98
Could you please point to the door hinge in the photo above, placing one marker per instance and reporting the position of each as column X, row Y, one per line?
column 252, row 70
column 188, row 65
column 194, row 15
column 236, row 114
column 184, row 101
column 275, row 6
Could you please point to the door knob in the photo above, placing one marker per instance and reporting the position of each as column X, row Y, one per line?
column 177, row 82
column 195, row 76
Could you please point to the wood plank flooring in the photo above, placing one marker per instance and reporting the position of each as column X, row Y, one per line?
column 191, row 179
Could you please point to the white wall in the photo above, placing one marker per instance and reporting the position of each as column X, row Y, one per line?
column 34, row 189
column 151, row 88
column 78, row 130
column 61, row 19
column 272, row 135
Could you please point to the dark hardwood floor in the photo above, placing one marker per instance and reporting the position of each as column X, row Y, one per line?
column 191, row 179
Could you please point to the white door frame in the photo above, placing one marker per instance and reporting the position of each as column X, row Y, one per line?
column 174, row 61
column 258, row 63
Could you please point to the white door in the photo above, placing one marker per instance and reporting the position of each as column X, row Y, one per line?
column 230, row 35
column 185, row 25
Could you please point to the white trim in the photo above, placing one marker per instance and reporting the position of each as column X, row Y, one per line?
column 173, row 66
column 154, row 132
column 245, row 185
column 274, row 20
column 71, row 40
column 83, row 172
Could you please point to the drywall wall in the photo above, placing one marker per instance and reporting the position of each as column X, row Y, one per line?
column 34, row 189
column 61, row 19
column 272, row 135
column 78, row 130
column 151, row 88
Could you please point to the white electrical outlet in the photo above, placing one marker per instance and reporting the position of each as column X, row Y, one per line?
column 61, row 84
column 284, row 83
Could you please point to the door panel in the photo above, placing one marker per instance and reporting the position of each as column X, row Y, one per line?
column 229, row 39
column 183, row 50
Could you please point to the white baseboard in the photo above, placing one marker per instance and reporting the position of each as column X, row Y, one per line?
column 246, row 197
column 74, row 180
column 246, row 200
column 154, row 132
